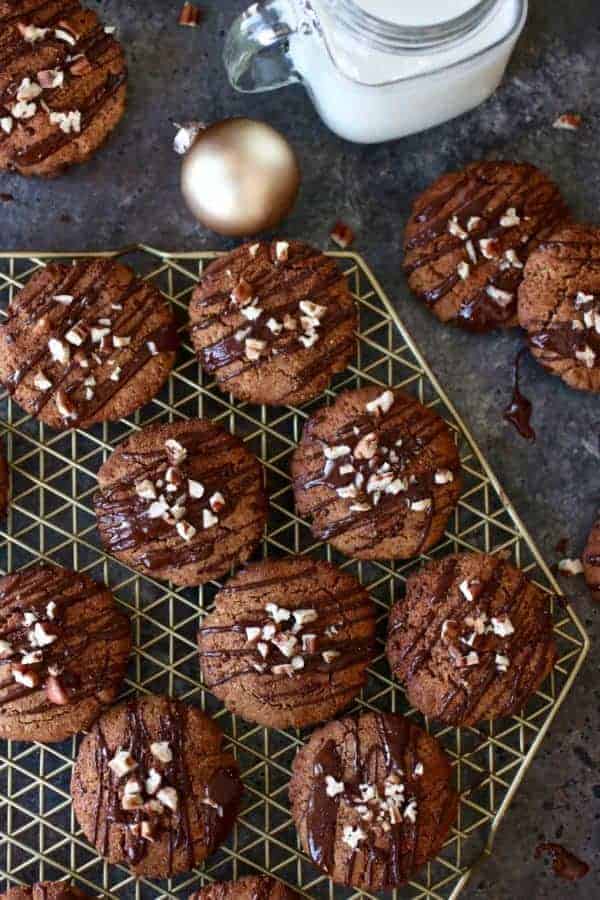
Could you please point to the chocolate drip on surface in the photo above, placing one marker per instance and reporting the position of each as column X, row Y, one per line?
column 564, row 863
column 519, row 410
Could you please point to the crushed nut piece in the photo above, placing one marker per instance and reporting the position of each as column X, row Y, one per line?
column 190, row 15
column 122, row 763
column 342, row 235
column 568, row 122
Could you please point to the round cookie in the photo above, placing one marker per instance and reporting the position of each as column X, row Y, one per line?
column 86, row 343
column 4, row 483
column 252, row 887
column 378, row 473
column 471, row 640
column 152, row 787
column 273, row 322
column 559, row 305
column 289, row 642
column 182, row 502
column 63, row 82
column 469, row 236
column 63, row 652
column 372, row 800
column 45, row 890
column 591, row 561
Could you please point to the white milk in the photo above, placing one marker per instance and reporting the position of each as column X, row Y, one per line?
column 368, row 95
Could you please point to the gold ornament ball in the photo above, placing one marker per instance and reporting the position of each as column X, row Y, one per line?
column 240, row 176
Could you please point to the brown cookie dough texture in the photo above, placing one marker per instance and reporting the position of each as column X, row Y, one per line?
column 62, row 85
column 289, row 642
column 378, row 474
column 86, row 343
column 182, row 502
column 153, row 788
column 372, row 800
column 559, row 306
column 471, row 640
column 253, row 887
column 4, row 483
column 469, row 237
column 273, row 322
column 63, row 653
column 591, row 562
column 45, row 890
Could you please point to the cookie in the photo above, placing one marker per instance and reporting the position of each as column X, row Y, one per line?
column 45, row 890
column 4, row 483
column 372, row 800
column 63, row 82
column 182, row 502
column 152, row 787
column 86, row 343
column 289, row 642
column 469, row 237
column 252, row 887
column 591, row 562
column 378, row 474
column 559, row 305
column 471, row 640
column 273, row 322
column 63, row 652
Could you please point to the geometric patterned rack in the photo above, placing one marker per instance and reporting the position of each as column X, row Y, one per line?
column 50, row 517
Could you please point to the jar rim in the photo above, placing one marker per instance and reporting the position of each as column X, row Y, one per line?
column 393, row 37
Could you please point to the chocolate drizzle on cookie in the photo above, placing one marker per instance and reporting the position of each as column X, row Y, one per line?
column 363, row 810
column 380, row 471
column 46, row 658
column 260, row 305
column 164, row 812
column 95, row 327
column 291, row 657
column 61, row 69
column 469, row 238
column 156, row 527
column 487, row 638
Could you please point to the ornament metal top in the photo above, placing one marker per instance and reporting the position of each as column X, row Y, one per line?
column 240, row 176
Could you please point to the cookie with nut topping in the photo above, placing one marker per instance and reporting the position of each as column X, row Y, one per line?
column 273, row 322
column 182, row 502
column 289, row 642
column 63, row 82
column 469, row 237
column 252, row 887
column 559, row 306
column 86, row 343
column 372, row 800
column 63, row 653
column 472, row 639
column 153, row 787
column 378, row 474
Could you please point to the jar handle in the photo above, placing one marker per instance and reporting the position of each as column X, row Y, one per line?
column 255, row 53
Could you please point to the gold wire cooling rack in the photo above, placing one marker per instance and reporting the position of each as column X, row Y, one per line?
column 51, row 517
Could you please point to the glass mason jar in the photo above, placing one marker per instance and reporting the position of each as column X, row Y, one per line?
column 371, row 79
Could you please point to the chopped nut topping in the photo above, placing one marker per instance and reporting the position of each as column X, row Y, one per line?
column 161, row 751
column 274, row 326
column 24, row 676
column 366, row 448
column 285, row 643
column 342, row 235
column 55, row 691
column 157, row 509
column 586, row 356
column 570, row 567
column 455, row 229
column 443, row 476
column 329, row 656
column 145, row 489
column 502, row 627
column 277, row 613
column 5, row 649
column 303, row 617
column 190, row 15
column 115, row 375
column 32, row 33
column 336, row 452
column 253, row 250
column 122, row 763
column 195, row 489
column 59, row 351
column 6, row 124
column 186, row 530
column 51, row 609
column 502, row 662
column 253, row 348
column 41, row 382
column 208, row 519
column 472, row 253
column 333, row 787
column 353, row 836
column 176, row 452
column 75, row 335
column 67, row 122
column 282, row 249
column 62, row 35
column 502, row 298
column 308, row 340
column 466, row 590
column 153, row 782
column 472, row 658
column 252, row 633
column 568, row 122
column 418, row 770
column 23, row 110
column 512, row 258
column 50, row 78
column 251, row 312
column 421, row 505
column 490, row 247
column 121, row 341
column 473, row 223
column 382, row 404
column 510, row 218
column 463, row 270
column 28, row 90
column 64, row 406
